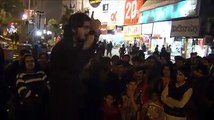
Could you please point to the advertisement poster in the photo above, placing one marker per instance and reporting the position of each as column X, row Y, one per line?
column 131, row 11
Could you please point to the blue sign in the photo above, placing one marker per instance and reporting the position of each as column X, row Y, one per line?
column 181, row 9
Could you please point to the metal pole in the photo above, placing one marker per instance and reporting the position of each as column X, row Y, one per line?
column 29, row 5
column 82, row 6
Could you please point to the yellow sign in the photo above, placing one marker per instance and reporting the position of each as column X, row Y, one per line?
column 95, row 3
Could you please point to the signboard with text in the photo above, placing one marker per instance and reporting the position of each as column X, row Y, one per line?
column 132, row 30
column 131, row 11
column 185, row 28
column 109, row 11
column 185, row 8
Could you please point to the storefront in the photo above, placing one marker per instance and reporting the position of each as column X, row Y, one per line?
column 187, row 32
column 113, row 34
column 163, row 16
column 111, row 15
column 132, row 34
column 161, row 35
column 147, row 34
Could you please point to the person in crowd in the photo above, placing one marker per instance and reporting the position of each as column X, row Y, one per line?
column 169, row 49
column 43, row 62
column 136, row 61
column 179, row 62
column 94, row 78
column 163, row 49
column 12, row 69
column 116, row 80
column 201, row 91
column 109, row 48
column 126, row 58
column 68, row 58
column 165, row 58
column 109, row 109
column 193, row 59
column 139, row 74
column 95, row 25
column 155, row 110
column 3, row 88
column 15, row 37
column 122, row 50
column 153, row 69
column 130, row 102
column 103, row 47
column 156, row 49
column 143, row 47
column 114, row 59
column 135, row 49
column 10, row 73
column 2, row 60
column 141, row 54
column 129, row 49
column 32, row 90
column 142, row 88
column 166, row 77
column 176, row 95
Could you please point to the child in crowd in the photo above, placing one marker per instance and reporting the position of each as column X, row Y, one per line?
column 110, row 111
column 130, row 102
column 155, row 110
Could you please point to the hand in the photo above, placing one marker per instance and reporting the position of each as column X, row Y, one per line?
column 95, row 24
column 89, row 42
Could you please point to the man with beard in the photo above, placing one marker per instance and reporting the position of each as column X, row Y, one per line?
column 68, row 58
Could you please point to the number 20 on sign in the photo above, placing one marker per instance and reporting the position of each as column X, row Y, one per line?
column 131, row 9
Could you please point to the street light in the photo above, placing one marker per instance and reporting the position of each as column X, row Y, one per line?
column 40, row 13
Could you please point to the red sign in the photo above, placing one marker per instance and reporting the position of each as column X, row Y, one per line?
column 132, row 8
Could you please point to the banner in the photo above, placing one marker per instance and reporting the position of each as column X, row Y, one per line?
column 132, row 30
column 185, row 28
column 131, row 12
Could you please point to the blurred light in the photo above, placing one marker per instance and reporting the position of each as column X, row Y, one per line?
column 49, row 32
column 44, row 31
column 38, row 33
column 43, row 37
column 60, row 26
column 30, row 21
column 11, row 29
column 24, row 17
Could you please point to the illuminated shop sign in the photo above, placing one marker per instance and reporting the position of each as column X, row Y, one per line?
column 185, row 28
column 131, row 11
column 181, row 9
column 132, row 30
column 147, row 28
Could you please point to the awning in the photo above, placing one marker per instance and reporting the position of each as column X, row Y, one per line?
column 150, row 4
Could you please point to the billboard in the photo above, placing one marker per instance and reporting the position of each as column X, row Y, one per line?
column 185, row 28
column 108, row 11
column 132, row 11
column 185, row 8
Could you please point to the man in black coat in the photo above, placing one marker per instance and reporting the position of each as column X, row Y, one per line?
column 68, row 58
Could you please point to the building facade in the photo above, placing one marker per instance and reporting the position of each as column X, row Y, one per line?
column 51, row 8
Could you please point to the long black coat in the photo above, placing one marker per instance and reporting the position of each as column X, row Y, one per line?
column 67, row 91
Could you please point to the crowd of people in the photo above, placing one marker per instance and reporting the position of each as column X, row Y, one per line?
column 77, row 83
